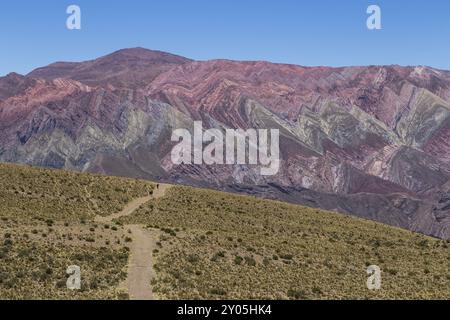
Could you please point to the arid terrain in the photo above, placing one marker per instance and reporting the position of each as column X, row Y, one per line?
column 139, row 240
column 370, row 141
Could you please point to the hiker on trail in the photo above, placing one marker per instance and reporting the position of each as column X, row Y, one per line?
column 157, row 186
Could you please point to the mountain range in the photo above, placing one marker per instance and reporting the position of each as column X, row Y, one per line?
column 371, row 141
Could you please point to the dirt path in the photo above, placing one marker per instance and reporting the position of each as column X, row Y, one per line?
column 134, row 205
column 129, row 209
column 140, row 265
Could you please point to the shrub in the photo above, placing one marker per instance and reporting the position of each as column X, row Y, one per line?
column 297, row 294
column 250, row 261
column 192, row 258
column 217, row 292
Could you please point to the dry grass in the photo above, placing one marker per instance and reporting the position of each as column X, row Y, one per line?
column 34, row 261
column 212, row 244
column 218, row 245
column 28, row 193
column 46, row 225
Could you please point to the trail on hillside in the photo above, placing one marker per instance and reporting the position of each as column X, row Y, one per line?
column 134, row 205
column 140, row 264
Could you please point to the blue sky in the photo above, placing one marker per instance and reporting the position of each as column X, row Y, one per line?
column 319, row 32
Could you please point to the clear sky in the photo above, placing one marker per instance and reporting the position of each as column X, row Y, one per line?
column 314, row 32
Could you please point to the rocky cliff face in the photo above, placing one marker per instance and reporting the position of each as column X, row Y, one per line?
column 368, row 141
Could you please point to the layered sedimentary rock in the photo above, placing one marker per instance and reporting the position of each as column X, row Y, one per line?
column 368, row 141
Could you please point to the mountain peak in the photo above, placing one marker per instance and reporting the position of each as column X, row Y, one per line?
column 14, row 76
column 147, row 55
column 13, row 84
column 129, row 68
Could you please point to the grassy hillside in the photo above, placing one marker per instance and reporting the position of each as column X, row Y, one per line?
column 34, row 260
column 218, row 245
column 46, row 225
column 210, row 244
column 29, row 194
